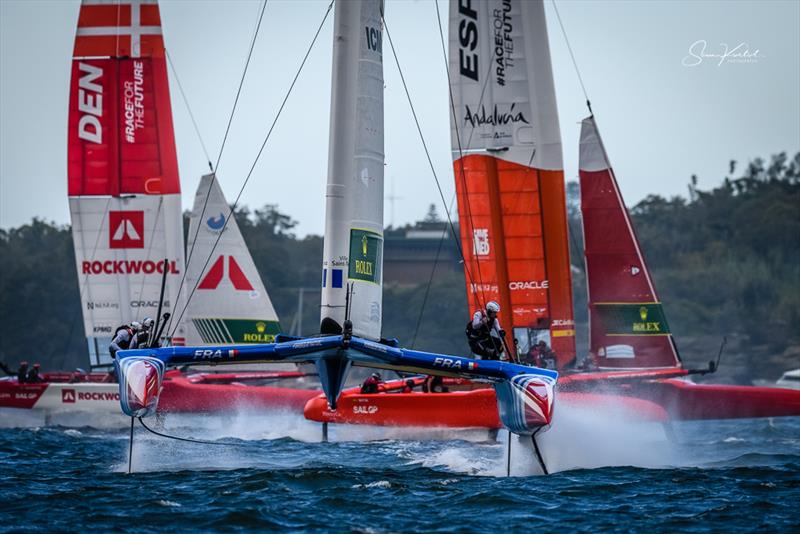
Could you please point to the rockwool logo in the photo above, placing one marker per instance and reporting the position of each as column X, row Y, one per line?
column 126, row 229
column 217, row 272
column 68, row 396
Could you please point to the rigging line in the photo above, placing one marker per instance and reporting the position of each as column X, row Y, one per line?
column 241, row 84
column 424, row 144
column 150, row 247
column 188, row 108
column 190, row 440
column 461, row 171
column 219, row 156
column 571, row 55
column 84, row 286
column 430, row 282
column 258, row 156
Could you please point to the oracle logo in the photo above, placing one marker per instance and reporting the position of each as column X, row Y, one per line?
column 126, row 229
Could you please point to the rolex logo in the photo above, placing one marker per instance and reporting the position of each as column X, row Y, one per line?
column 261, row 327
column 364, row 244
column 643, row 313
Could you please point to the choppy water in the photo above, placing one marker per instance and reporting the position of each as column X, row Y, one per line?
column 610, row 475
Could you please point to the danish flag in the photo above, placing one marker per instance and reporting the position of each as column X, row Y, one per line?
column 235, row 274
column 124, row 28
column 126, row 229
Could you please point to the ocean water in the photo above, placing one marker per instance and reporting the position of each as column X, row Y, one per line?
column 272, row 472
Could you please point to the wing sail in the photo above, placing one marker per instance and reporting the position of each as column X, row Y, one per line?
column 508, row 170
column 628, row 327
column 123, row 186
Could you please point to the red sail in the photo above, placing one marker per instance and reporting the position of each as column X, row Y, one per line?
column 121, row 138
column 628, row 328
column 509, row 173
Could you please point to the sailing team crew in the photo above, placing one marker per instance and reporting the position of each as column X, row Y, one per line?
column 484, row 334
column 131, row 336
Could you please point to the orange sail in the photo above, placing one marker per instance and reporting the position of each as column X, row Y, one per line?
column 509, row 173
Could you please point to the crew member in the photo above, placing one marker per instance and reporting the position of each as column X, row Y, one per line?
column 22, row 372
column 33, row 374
column 435, row 384
column 144, row 334
column 408, row 387
column 484, row 334
column 371, row 384
column 544, row 355
column 124, row 338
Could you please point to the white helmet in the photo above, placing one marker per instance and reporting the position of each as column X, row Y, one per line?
column 148, row 323
column 136, row 325
column 492, row 306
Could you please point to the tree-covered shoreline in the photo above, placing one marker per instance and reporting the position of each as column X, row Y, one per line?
column 726, row 262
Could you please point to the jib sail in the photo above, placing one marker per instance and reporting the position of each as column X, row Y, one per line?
column 124, row 191
column 628, row 328
column 508, row 170
column 230, row 303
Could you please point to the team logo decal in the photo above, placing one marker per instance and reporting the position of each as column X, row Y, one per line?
column 68, row 396
column 126, row 229
column 481, row 241
column 217, row 272
column 216, row 224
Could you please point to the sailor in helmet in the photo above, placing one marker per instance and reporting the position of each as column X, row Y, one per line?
column 484, row 334
column 145, row 332
column 371, row 384
column 125, row 337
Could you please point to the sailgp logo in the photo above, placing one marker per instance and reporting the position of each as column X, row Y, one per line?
column 217, row 272
column 126, row 229
column 494, row 118
column 481, row 241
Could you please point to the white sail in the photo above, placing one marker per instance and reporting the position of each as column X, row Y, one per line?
column 230, row 304
column 353, row 249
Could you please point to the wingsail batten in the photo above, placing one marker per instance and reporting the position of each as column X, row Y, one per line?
column 628, row 326
column 123, row 185
column 353, row 247
column 508, row 170
column 230, row 304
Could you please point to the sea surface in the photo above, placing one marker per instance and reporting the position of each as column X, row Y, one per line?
column 272, row 472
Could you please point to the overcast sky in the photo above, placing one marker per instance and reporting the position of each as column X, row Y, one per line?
column 661, row 120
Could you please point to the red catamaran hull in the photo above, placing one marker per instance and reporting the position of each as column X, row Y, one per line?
column 641, row 394
column 200, row 393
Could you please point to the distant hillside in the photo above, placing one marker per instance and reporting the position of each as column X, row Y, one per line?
column 726, row 263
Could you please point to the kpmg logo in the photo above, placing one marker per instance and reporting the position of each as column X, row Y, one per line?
column 215, row 224
column 126, row 229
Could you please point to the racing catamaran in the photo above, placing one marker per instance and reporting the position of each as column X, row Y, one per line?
column 351, row 303
column 512, row 210
column 124, row 197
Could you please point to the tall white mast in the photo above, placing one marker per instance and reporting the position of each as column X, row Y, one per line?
column 353, row 249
